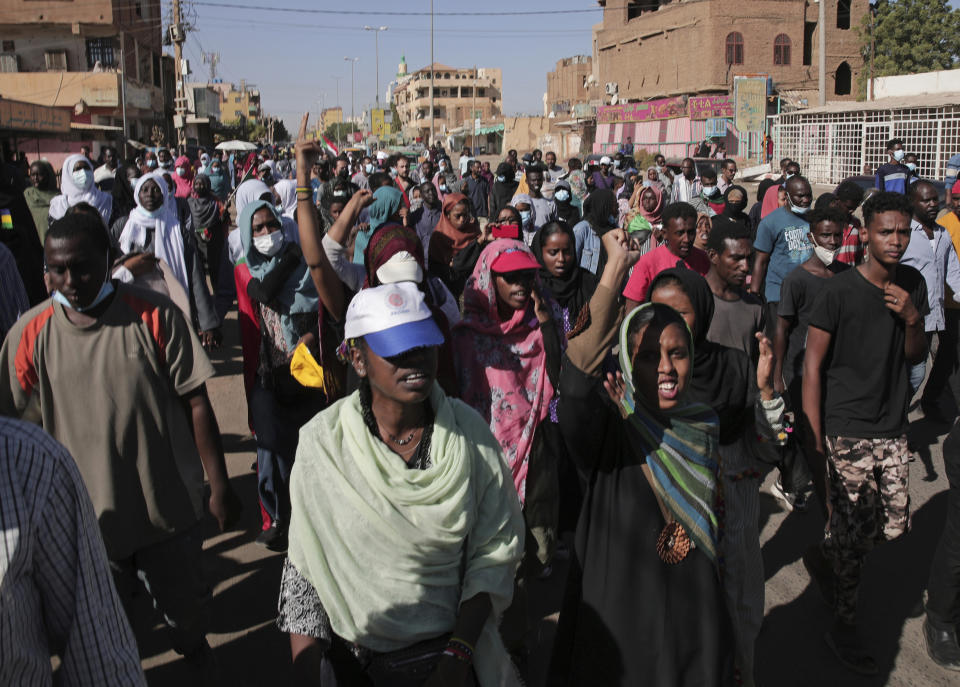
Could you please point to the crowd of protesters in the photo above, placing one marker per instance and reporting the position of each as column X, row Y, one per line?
column 458, row 375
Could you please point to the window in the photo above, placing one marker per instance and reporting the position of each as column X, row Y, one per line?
column 781, row 49
column 56, row 61
column 734, row 48
column 100, row 50
column 808, row 30
column 9, row 64
column 481, row 92
column 8, row 46
column 638, row 7
column 841, row 80
column 843, row 14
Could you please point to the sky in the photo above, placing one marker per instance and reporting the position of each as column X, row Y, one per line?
column 295, row 58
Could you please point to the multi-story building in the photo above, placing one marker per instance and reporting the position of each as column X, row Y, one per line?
column 330, row 116
column 460, row 97
column 203, row 111
column 572, row 83
column 654, row 48
column 239, row 103
column 68, row 55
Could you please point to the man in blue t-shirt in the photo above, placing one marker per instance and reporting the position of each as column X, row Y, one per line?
column 782, row 244
column 893, row 174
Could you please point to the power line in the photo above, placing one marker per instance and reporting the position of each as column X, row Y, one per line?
column 394, row 13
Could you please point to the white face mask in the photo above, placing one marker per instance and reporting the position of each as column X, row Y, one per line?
column 83, row 178
column 167, row 165
column 181, row 172
column 709, row 190
column 826, row 255
column 898, row 155
column 912, row 166
column 796, row 209
column 788, row 175
column 368, row 168
column 563, row 195
column 269, row 244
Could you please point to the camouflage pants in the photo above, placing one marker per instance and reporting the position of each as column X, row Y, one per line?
column 868, row 493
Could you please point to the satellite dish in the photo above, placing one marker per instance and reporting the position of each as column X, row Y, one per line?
column 614, row 99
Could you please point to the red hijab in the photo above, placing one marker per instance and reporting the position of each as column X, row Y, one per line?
column 447, row 240
column 184, row 183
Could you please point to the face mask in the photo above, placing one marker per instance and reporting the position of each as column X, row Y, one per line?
column 563, row 195
column 152, row 163
column 82, row 177
column 789, row 176
column 526, row 216
column 616, row 164
column 709, row 190
column 443, row 166
column 181, row 172
column 214, row 171
column 269, row 244
column 393, row 172
column 898, row 155
column 501, row 178
column 826, row 256
column 443, row 188
column 912, row 166
column 659, row 168
column 167, row 165
column 368, row 168
column 798, row 210
column 340, row 194
column 518, row 176
column 105, row 290
column 647, row 183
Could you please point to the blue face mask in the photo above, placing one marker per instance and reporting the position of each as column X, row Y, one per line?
column 613, row 220
column 501, row 178
column 526, row 216
column 105, row 290
column 563, row 195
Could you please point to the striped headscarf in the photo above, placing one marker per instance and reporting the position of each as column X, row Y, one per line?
column 681, row 454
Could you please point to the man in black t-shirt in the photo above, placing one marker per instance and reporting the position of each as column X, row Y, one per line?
column 865, row 328
column 797, row 296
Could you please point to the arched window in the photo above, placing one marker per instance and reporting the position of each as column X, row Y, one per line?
column 781, row 49
column 841, row 80
column 734, row 48
column 843, row 14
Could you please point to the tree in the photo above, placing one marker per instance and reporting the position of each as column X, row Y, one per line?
column 338, row 131
column 909, row 37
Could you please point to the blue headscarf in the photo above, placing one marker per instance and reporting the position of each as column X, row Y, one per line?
column 386, row 203
column 219, row 183
column 298, row 295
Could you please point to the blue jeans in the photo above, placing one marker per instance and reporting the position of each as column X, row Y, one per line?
column 919, row 371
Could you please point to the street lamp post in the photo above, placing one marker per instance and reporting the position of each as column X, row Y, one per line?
column 353, row 63
column 339, row 128
column 376, row 45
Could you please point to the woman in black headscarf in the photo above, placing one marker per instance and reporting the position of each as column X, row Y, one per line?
column 567, row 212
column 504, row 188
column 571, row 286
column 724, row 379
column 735, row 202
column 123, row 201
column 19, row 234
column 207, row 213
column 600, row 215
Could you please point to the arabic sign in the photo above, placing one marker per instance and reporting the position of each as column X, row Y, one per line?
column 710, row 106
column 751, row 103
column 665, row 108
column 29, row 117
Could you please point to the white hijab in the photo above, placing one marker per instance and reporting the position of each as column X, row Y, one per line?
column 287, row 190
column 71, row 194
column 167, row 239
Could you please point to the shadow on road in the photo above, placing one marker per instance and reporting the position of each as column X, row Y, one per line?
column 791, row 651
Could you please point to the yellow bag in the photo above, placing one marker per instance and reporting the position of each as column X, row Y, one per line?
column 306, row 370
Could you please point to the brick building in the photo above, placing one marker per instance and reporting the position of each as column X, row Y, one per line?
column 654, row 48
column 67, row 55
column 571, row 83
column 455, row 104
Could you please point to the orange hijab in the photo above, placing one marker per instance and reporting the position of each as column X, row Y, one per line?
column 446, row 240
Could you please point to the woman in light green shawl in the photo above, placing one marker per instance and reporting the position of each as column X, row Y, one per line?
column 38, row 196
column 406, row 530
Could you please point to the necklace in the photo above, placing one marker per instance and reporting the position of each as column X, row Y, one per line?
column 402, row 442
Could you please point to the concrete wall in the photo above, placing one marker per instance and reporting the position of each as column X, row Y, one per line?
column 917, row 84
column 527, row 133
column 681, row 47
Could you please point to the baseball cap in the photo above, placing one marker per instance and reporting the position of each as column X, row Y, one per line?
column 605, row 160
column 392, row 319
column 514, row 260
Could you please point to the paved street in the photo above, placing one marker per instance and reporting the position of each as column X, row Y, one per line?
column 791, row 649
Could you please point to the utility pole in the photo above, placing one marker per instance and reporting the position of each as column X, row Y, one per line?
column 340, row 124
column 473, row 113
column 180, row 98
column 431, row 141
column 123, row 94
column 353, row 63
column 822, row 26
column 376, row 45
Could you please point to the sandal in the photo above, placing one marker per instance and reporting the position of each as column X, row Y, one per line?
column 851, row 654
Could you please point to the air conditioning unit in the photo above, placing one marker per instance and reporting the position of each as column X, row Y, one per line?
column 612, row 87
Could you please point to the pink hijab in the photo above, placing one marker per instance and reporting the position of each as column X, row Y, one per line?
column 501, row 366
column 184, row 183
